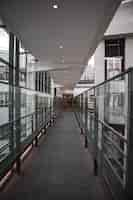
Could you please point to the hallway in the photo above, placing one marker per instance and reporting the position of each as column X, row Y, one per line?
column 60, row 168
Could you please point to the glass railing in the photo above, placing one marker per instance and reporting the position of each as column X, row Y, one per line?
column 23, row 114
column 106, row 120
column 4, row 44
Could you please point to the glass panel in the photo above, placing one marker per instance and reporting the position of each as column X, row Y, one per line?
column 34, row 113
column 4, row 45
column 4, row 141
column 26, row 128
column 22, row 74
column 114, row 155
column 30, row 71
column 114, row 66
column 4, row 103
column 115, row 107
column 4, row 72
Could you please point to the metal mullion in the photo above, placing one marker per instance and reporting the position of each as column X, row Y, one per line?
column 129, row 175
column 17, row 108
column 11, row 92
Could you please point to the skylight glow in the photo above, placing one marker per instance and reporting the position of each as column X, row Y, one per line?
column 4, row 40
column 126, row 1
column 91, row 61
column 55, row 6
column 61, row 46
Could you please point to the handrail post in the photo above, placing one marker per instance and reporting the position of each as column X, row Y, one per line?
column 129, row 177
column 81, row 114
column 36, row 122
column 95, row 138
column 41, row 116
column 36, row 141
column 50, row 111
column 17, row 110
column 32, row 128
column 86, row 119
column 18, row 148
column 11, row 93
column 46, row 117
column 32, row 123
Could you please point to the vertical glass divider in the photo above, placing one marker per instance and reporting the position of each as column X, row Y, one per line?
column 11, row 92
column 86, row 119
column 95, row 136
column 17, row 109
column 129, row 179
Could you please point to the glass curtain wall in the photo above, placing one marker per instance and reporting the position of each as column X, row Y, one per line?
column 25, row 106
column 109, row 129
column 4, row 75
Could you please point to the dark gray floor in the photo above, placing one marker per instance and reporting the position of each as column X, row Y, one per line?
column 59, row 168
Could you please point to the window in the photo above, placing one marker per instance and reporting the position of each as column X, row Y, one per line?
column 3, row 99
column 114, row 57
column 4, row 72
column 4, row 44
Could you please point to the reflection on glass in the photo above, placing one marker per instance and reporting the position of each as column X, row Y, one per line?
column 4, row 141
column 33, row 106
column 114, row 65
column 4, row 44
column 4, row 103
column 115, row 102
column 4, row 72
column 30, row 71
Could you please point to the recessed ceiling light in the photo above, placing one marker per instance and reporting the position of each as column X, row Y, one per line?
column 55, row 6
column 61, row 47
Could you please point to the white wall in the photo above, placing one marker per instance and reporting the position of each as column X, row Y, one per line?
column 99, row 59
column 129, row 53
column 99, row 66
column 99, row 63
column 122, row 21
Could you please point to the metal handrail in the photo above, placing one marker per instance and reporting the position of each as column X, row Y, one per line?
column 21, row 87
column 28, row 128
column 19, row 118
column 108, row 80
column 3, row 147
column 114, row 144
column 113, row 130
column 117, row 162
column 112, row 155
column 114, row 170
column 14, row 121
column 110, row 128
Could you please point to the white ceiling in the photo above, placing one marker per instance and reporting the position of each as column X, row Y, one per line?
column 67, row 77
column 123, row 20
column 78, row 25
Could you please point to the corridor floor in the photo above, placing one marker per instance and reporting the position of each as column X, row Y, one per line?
column 59, row 168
